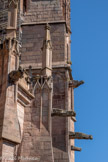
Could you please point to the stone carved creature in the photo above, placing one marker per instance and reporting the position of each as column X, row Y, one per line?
column 77, row 135
column 15, row 75
column 76, row 83
column 63, row 113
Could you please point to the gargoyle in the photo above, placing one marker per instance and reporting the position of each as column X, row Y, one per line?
column 63, row 113
column 77, row 135
column 15, row 75
column 73, row 148
column 76, row 83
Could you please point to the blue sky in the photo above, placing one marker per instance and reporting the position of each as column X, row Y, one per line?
column 89, row 53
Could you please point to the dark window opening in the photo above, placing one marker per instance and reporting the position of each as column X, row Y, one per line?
column 24, row 6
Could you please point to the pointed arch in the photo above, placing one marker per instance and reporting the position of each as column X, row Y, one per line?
column 37, row 87
column 45, row 85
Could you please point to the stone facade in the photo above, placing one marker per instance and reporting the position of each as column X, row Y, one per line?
column 32, row 43
column 36, row 84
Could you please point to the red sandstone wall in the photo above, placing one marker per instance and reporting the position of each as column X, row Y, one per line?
column 61, row 125
column 8, row 151
column 32, row 42
column 43, row 11
column 33, row 35
column 3, row 84
column 3, row 14
column 36, row 141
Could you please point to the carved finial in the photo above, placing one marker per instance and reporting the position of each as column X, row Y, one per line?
column 47, row 26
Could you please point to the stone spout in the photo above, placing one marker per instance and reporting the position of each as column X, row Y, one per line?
column 62, row 113
column 77, row 135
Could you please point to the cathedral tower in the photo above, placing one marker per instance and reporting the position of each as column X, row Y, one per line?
column 36, row 85
column 56, row 13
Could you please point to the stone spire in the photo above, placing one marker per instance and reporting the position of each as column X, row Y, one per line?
column 47, row 53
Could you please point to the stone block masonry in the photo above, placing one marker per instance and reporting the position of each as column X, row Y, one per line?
column 32, row 41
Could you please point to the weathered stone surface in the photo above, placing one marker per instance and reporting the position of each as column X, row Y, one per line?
column 3, row 16
column 37, row 141
column 8, row 151
column 62, row 113
column 47, row 53
column 73, row 148
column 27, row 105
column 43, row 11
column 76, row 83
column 15, row 75
column 77, row 135
column 32, row 43
column 8, row 108
column 24, row 96
column 60, row 124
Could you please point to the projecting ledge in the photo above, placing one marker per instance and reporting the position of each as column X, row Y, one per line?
column 74, row 119
column 75, row 83
column 62, row 113
column 24, row 96
column 77, row 135
column 73, row 148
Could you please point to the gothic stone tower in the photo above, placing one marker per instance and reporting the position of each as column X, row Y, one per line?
column 36, row 85
column 35, row 14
